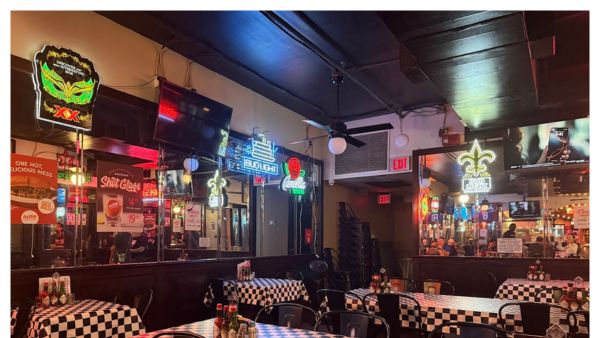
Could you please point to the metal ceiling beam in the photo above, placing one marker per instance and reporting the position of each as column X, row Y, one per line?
column 288, row 29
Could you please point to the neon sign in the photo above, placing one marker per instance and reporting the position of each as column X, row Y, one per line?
column 215, row 184
column 253, row 157
column 66, row 85
column 476, row 178
column 293, row 181
column 435, row 205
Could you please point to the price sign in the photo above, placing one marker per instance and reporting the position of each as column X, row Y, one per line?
column 510, row 245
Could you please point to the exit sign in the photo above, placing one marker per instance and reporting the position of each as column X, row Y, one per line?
column 401, row 163
column 384, row 199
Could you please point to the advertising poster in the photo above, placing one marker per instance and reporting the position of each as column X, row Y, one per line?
column 32, row 190
column 193, row 214
column 119, row 198
column 581, row 217
column 176, row 224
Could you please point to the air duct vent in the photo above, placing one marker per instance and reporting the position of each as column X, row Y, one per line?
column 370, row 158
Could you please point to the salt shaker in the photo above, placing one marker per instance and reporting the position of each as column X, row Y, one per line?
column 242, row 331
column 252, row 330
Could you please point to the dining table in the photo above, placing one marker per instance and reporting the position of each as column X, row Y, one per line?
column 205, row 328
column 522, row 289
column 261, row 291
column 437, row 309
column 86, row 318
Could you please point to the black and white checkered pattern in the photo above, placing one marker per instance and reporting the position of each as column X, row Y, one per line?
column 437, row 309
column 13, row 319
column 86, row 319
column 522, row 289
column 262, row 291
column 205, row 328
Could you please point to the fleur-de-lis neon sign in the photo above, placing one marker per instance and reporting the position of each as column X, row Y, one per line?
column 215, row 184
column 476, row 178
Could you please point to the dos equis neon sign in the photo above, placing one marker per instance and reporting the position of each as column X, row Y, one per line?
column 67, row 87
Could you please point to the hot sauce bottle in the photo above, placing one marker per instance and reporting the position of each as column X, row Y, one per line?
column 218, row 321
column 225, row 322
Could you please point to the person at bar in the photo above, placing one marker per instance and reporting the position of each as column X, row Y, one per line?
column 61, row 239
column 460, row 251
column 139, row 244
column 569, row 246
column 537, row 249
column 434, row 250
column 452, row 246
column 510, row 233
column 444, row 247
column 490, row 249
column 120, row 251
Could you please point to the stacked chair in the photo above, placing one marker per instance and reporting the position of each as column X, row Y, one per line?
column 356, row 249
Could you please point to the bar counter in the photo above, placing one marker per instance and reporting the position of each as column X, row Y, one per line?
column 470, row 277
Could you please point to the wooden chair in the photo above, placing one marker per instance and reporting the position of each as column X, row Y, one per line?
column 352, row 323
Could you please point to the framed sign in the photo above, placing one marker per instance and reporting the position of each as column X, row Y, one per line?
column 510, row 245
column 67, row 86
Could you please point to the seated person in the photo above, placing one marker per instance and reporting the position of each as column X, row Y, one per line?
column 537, row 249
column 433, row 251
column 569, row 246
column 526, row 237
column 452, row 247
column 444, row 248
column 490, row 249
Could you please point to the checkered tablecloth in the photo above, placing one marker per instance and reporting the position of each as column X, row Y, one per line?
column 522, row 289
column 13, row 319
column 205, row 328
column 86, row 319
column 437, row 309
column 262, row 291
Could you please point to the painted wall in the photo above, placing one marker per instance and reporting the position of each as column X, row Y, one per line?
column 422, row 132
column 125, row 58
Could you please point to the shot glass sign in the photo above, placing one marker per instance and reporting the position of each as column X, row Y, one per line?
column 120, row 202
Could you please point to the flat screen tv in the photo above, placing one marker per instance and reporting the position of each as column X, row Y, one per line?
column 524, row 209
column 176, row 183
column 192, row 121
column 547, row 145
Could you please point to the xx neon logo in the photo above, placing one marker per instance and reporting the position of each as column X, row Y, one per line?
column 66, row 113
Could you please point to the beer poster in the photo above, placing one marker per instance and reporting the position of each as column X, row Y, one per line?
column 33, row 185
column 119, row 198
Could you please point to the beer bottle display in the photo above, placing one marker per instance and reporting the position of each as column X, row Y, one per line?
column 225, row 322
column 62, row 295
column 54, row 296
column 234, row 326
column 218, row 321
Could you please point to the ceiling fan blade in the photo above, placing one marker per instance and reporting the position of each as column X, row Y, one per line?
column 355, row 142
column 367, row 129
column 308, row 139
column 320, row 126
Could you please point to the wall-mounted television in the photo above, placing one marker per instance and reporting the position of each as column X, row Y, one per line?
column 192, row 121
column 547, row 145
column 176, row 183
column 524, row 209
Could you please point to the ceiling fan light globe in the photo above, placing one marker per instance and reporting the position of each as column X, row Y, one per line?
column 401, row 140
column 337, row 145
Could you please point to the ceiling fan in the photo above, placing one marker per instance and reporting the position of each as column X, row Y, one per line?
column 337, row 132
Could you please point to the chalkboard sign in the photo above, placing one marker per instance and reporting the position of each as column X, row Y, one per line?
column 510, row 245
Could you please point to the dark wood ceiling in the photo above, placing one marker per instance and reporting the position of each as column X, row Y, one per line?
column 478, row 61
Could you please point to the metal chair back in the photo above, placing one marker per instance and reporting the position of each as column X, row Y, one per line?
column 288, row 314
column 577, row 316
column 433, row 287
column 138, row 298
column 389, row 309
column 534, row 316
column 555, row 291
column 336, row 299
column 469, row 330
column 352, row 323
column 290, row 274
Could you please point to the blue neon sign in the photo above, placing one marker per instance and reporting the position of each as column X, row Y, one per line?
column 256, row 156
